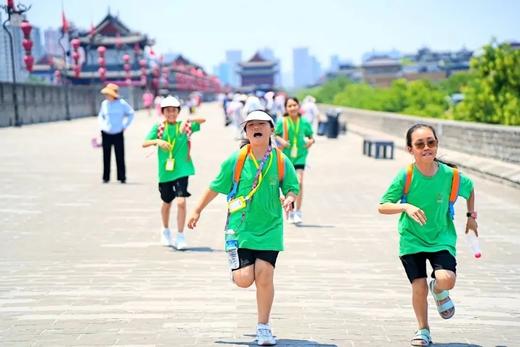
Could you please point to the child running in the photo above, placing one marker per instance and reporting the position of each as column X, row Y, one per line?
column 172, row 138
column 252, row 178
column 428, row 189
column 294, row 134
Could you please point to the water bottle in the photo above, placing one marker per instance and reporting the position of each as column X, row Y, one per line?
column 472, row 239
column 232, row 249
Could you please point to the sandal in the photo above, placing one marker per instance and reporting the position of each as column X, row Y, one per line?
column 445, row 306
column 421, row 338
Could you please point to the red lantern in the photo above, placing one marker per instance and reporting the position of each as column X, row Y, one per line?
column 75, row 44
column 101, row 50
column 27, row 44
column 10, row 4
column 126, row 58
column 101, row 61
column 26, row 28
column 29, row 61
column 126, row 67
column 77, row 71
column 128, row 81
column 75, row 56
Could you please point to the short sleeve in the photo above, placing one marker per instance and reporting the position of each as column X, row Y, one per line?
column 224, row 180
column 465, row 186
column 308, row 130
column 395, row 191
column 195, row 126
column 152, row 134
column 278, row 129
column 290, row 180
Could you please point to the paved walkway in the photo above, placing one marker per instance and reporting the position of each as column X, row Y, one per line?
column 80, row 263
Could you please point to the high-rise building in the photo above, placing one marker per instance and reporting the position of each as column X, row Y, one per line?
column 6, row 67
column 334, row 63
column 37, row 49
column 306, row 68
column 52, row 42
column 233, row 58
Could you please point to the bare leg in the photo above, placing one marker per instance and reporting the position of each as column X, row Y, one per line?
column 420, row 302
column 165, row 214
column 264, row 273
column 299, row 198
column 181, row 214
column 245, row 276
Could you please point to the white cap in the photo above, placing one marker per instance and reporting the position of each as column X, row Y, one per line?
column 170, row 101
column 258, row 115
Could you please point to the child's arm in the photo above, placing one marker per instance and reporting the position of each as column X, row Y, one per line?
column 203, row 202
column 412, row 211
column 199, row 120
column 157, row 142
column 281, row 141
column 471, row 223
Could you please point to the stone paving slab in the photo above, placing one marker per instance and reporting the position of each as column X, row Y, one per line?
column 80, row 263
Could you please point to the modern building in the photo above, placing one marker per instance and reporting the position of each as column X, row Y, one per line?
column 51, row 38
column 258, row 73
column 306, row 68
column 233, row 58
column 6, row 63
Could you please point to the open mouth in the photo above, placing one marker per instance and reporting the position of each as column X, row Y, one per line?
column 257, row 135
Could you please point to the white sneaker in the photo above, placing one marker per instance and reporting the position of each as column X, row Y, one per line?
column 290, row 217
column 180, row 242
column 264, row 336
column 298, row 217
column 166, row 237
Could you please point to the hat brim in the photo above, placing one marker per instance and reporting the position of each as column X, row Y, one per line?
column 108, row 91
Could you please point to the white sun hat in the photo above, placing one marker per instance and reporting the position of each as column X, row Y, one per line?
column 258, row 115
column 170, row 101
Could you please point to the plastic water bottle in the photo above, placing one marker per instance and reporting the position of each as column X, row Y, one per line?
column 472, row 239
column 232, row 249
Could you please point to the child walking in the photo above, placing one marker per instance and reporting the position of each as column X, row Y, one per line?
column 294, row 134
column 252, row 179
column 172, row 138
column 428, row 189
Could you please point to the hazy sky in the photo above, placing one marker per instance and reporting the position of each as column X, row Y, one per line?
column 204, row 30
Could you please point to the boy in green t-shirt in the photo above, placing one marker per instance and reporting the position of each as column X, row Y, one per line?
column 174, row 165
column 257, row 222
column 294, row 135
column 426, row 227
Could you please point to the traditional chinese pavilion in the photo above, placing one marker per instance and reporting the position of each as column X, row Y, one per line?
column 258, row 73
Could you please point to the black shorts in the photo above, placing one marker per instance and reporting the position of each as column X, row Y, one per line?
column 415, row 264
column 172, row 189
column 299, row 166
column 249, row 256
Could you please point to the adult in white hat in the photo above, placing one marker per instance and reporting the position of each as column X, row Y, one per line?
column 254, row 227
column 115, row 116
column 173, row 140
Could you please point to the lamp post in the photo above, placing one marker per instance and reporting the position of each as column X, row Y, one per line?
column 12, row 11
column 63, row 76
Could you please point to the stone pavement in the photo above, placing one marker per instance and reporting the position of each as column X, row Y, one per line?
column 80, row 263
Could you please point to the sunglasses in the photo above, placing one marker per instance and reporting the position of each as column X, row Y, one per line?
column 431, row 143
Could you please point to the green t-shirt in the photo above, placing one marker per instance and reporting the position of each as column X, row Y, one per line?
column 303, row 130
column 183, row 164
column 430, row 194
column 262, row 226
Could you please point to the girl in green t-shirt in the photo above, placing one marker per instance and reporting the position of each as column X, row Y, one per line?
column 294, row 135
column 257, row 222
column 426, row 228
column 172, row 138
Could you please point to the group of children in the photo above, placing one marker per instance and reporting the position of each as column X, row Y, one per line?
column 264, row 178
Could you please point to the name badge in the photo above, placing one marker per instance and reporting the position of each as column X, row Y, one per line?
column 170, row 164
column 294, row 151
column 236, row 204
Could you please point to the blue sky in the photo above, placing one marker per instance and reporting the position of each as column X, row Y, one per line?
column 204, row 30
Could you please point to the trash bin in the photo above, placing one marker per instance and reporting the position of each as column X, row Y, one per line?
column 333, row 123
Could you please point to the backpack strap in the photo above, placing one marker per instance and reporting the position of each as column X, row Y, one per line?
column 455, row 183
column 281, row 164
column 239, row 165
column 407, row 183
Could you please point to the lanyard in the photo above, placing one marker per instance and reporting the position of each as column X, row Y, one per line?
column 257, row 181
column 296, row 129
column 259, row 176
column 172, row 143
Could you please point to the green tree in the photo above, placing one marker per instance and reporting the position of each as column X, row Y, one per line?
column 494, row 95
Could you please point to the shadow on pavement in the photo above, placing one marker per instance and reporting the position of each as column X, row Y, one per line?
column 198, row 249
column 456, row 344
column 280, row 343
column 314, row 226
